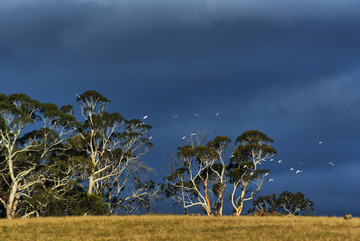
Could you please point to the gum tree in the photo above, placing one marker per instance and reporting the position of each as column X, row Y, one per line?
column 197, row 174
column 264, row 204
column 24, row 155
column 294, row 203
column 218, row 169
column 17, row 111
column 253, row 148
column 114, row 148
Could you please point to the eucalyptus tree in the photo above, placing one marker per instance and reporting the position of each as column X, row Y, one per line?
column 253, row 148
column 294, row 203
column 114, row 148
column 218, row 169
column 198, row 172
column 61, row 169
column 266, row 204
column 17, row 111
column 24, row 154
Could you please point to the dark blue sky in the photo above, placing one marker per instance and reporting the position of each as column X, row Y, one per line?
column 287, row 68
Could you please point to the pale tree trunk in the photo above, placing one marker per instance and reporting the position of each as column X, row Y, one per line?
column 239, row 209
column 91, row 178
column 11, row 203
column 91, row 184
column 238, row 206
column 208, row 208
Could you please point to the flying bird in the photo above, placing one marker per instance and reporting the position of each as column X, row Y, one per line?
column 197, row 115
column 193, row 134
column 292, row 169
column 266, row 174
column 270, row 180
column 150, row 137
column 300, row 163
column 280, row 161
column 298, row 171
column 145, row 117
column 175, row 116
column 217, row 114
column 183, row 137
column 319, row 142
column 271, row 160
column 332, row 164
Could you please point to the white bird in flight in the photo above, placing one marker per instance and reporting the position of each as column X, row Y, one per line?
column 266, row 174
column 292, row 169
column 193, row 134
column 197, row 115
column 319, row 142
column 217, row 114
column 145, row 117
column 183, row 137
column 332, row 164
column 271, row 160
column 175, row 116
column 280, row 161
column 270, row 180
column 150, row 137
column 298, row 171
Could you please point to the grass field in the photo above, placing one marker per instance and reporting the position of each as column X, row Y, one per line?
column 168, row 227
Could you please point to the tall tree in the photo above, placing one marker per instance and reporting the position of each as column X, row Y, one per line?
column 253, row 148
column 25, row 154
column 114, row 148
column 17, row 111
column 197, row 173
column 218, row 169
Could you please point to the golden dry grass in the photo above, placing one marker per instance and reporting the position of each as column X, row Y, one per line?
column 170, row 227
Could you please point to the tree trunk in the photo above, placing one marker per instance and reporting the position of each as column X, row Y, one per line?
column 241, row 203
column 10, row 206
column 220, row 203
column 240, row 208
column 91, row 184
column 208, row 208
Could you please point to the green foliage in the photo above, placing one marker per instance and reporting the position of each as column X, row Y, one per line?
column 294, row 203
column 219, row 142
column 267, row 204
column 253, row 148
column 71, row 201
column 286, row 203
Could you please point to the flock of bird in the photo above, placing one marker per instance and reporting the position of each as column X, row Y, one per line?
column 292, row 169
column 176, row 116
column 298, row 171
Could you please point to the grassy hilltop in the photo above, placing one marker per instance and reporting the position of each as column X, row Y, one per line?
column 169, row 227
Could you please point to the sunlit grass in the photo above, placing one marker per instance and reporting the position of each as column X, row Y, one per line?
column 171, row 227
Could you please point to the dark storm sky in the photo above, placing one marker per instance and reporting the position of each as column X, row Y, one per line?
column 287, row 68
